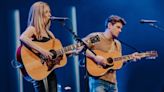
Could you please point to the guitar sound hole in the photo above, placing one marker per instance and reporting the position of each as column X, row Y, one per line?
column 110, row 63
column 110, row 60
column 54, row 54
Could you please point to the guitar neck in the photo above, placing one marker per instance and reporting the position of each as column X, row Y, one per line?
column 68, row 48
column 130, row 57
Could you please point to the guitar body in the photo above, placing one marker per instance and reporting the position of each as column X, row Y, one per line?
column 97, row 70
column 114, row 61
column 32, row 63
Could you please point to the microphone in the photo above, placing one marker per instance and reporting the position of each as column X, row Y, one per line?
column 58, row 18
column 147, row 21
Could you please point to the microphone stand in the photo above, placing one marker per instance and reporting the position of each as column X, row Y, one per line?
column 155, row 26
column 133, row 48
column 77, row 38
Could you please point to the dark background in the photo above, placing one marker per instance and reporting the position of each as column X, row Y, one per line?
column 142, row 76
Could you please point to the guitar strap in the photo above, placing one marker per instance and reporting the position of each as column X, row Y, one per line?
column 48, row 35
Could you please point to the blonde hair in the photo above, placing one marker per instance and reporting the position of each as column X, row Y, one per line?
column 35, row 18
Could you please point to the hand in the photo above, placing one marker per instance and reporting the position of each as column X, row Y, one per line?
column 79, row 49
column 75, row 51
column 100, row 60
column 136, row 56
column 46, row 54
column 72, row 52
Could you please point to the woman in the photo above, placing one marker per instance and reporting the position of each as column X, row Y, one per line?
column 38, row 30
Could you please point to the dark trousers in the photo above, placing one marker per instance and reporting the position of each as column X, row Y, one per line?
column 52, row 84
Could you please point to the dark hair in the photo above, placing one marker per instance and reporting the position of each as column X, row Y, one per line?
column 114, row 19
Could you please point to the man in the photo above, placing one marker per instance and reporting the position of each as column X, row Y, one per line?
column 108, row 44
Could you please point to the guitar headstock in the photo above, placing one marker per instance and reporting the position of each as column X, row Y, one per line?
column 151, row 54
column 94, row 39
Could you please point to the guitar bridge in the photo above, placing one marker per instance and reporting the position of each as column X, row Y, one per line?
column 50, row 65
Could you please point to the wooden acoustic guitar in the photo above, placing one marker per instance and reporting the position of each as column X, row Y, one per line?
column 36, row 66
column 114, row 61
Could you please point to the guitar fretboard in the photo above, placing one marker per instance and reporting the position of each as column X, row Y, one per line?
column 90, row 41
column 130, row 57
column 68, row 48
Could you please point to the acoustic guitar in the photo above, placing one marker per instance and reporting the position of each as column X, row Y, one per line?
column 114, row 61
column 36, row 66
